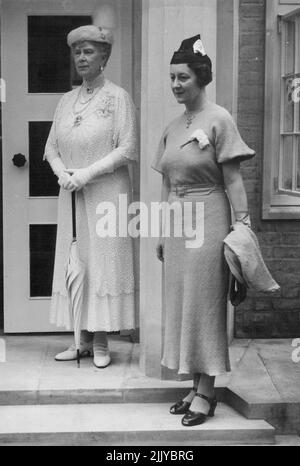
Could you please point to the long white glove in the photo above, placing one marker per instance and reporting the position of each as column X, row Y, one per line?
column 82, row 176
column 59, row 169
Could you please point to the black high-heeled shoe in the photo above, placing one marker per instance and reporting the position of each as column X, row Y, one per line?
column 195, row 418
column 181, row 407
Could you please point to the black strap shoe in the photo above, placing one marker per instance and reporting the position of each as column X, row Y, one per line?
column 195, row 418
column 181, row 407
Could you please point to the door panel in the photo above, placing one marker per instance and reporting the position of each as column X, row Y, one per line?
column 41, row 249
column 49, row 58
column 42, row 181
column 37, row 69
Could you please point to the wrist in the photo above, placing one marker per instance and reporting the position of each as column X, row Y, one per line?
column 93, row 171
column 245, row 220
column 57, row 166
column 240, row 214
column 87, row 175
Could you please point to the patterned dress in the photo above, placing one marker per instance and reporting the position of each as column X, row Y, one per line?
column 196, row 279
column 108, row 127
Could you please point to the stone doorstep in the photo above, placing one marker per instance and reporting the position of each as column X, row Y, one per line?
column 283, row 416
column 125, row 424
column 100, row 396
column 134, row 439
column 129, row 387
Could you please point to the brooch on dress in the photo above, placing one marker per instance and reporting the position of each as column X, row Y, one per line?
column 106, row 106
column 200, row 136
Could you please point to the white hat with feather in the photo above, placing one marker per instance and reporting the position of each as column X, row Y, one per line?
column 100, row 31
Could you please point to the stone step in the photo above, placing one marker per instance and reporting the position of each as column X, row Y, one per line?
column 110, row 394
column 125, row 424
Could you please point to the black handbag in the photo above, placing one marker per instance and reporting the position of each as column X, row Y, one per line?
column 237, row 291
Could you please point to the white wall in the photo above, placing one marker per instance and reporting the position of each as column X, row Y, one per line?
column 165, row 24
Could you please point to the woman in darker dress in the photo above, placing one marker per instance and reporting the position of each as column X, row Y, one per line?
column 199, row 157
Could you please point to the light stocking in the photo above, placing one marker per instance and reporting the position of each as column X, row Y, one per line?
column 86, row 337
column 205, row 387
column 189, row 398
column 100, row 344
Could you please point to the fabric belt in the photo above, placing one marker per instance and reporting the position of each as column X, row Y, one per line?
column 182, row 190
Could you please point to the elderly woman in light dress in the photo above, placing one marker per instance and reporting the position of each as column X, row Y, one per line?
column 92, row 142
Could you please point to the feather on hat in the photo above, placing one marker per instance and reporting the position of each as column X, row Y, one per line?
column 104, row 22
column 191, row 50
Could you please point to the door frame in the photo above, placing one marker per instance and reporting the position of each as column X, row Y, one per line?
column 124, row 60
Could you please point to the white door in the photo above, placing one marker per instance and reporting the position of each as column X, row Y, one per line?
column 37, row 70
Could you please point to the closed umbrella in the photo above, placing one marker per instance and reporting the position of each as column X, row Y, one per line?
column 75, row 282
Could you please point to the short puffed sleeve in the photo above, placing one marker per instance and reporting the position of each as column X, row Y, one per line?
column 228, row 142
column 156, row 163
column 125, row 131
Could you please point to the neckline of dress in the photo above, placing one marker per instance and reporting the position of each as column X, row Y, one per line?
column 85, row 109
column 96, row 83
column 97, row 91
column 205, row 107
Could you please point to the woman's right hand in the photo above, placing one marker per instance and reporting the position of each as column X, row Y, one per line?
column 160, row 249
column 65, row 181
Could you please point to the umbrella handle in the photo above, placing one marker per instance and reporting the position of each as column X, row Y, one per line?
column 74, row 214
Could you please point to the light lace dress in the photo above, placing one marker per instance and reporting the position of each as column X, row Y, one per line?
column 108, row 128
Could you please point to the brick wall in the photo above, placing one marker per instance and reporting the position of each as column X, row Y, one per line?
column 260, row 316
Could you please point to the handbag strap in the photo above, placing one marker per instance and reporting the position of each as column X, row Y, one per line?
column 74, row 215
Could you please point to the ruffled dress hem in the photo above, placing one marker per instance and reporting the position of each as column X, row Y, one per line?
column 114, row 313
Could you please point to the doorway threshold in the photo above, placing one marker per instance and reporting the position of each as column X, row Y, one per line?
column 30, row 375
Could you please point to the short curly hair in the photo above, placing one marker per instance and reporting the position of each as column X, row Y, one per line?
column 203, row 71
column 105, row 49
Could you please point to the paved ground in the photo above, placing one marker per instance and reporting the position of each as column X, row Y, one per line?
column 262, row 372
column 30, row 365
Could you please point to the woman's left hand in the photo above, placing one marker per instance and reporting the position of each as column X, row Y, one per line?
column 79, row 178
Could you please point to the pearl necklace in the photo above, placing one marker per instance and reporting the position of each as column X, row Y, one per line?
column 78, row 114
column 96, row 83
column 88, row 100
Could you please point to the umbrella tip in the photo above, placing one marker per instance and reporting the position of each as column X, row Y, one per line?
column 78, row 359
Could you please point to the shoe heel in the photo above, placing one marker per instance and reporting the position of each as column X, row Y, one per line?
column 212, row 409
